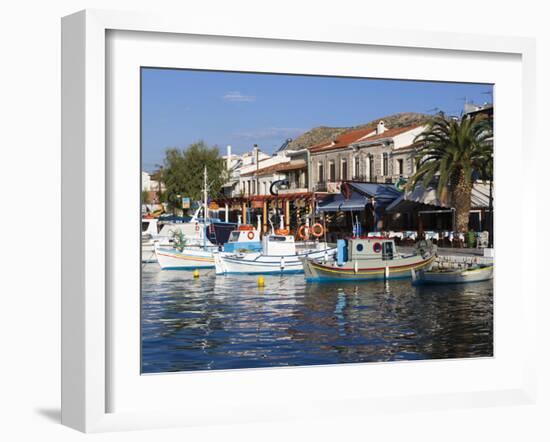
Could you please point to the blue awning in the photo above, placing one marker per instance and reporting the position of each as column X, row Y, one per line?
column 361, row 195
column 381, row 192
column 338, row 203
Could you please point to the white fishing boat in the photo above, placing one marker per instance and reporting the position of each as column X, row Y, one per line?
column 280, row 254
column 184, row 255
column 244, row 239
column 153, row 231
column 149, row 231
column 188, row 258
column 445, row 275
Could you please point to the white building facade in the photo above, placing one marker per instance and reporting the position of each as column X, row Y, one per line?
column 380, row 155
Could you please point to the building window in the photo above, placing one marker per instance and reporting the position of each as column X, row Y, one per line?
column 321, row 172
column 344, row 170
column 400, row 170
column 385, row 164
column 357, row 171
column 332, row 172
column 253, row 187
column 248, row 185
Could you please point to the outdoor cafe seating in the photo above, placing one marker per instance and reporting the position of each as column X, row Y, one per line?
column 441, row 238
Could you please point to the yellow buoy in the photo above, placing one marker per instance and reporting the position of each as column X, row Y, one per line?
column 196, row 274
column 261, row 281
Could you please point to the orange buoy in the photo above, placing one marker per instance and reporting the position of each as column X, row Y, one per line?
column 317, row 230
column 303, row 232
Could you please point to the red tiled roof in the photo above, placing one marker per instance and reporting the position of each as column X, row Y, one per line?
column 353, row 136
column 342, row 140
column 392, row 132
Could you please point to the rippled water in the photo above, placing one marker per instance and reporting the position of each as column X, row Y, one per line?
column 223, row 322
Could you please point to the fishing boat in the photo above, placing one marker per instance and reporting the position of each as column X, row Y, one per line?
column 156, row 230
column 436, row 275
column 184, row 256
column 368, row 258
column 188, row 258
column 280, row 254
column 245, row 238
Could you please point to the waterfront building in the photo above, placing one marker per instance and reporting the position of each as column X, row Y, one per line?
column 484, row 110
column 374, row 155
column 152, row 190
column 421, row 209
column 239, row 167
column 248, row 190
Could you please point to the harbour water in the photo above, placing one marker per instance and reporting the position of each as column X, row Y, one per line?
column 226, row 322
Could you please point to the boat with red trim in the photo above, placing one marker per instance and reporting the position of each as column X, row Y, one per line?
column 369, row 258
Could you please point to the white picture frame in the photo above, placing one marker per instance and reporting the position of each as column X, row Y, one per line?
column 86, row 310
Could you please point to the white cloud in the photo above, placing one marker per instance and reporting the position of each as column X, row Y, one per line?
column 236, row 96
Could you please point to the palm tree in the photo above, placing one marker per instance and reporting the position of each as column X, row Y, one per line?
column 454, row 152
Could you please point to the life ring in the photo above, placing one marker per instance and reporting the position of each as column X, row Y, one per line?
column 250, row 234
column 317, row 230
column 303, row 232
column 281, row 231
column 377, row 247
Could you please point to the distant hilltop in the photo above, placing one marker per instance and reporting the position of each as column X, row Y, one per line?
column 324, row 133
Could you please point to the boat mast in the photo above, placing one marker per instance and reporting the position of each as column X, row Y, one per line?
column 205, row 205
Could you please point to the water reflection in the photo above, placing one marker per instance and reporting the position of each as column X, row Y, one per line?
column 228, row 322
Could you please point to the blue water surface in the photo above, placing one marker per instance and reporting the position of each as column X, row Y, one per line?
column 225, row 322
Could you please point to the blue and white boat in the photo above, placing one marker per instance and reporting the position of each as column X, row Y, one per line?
column 279, row 254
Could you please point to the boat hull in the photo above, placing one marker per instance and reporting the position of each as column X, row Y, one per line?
column 373, row 270
column 188, row 259
column 453, row 277
column 148, row 252
column 256, row 263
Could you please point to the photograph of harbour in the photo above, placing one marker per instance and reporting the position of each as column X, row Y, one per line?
column 296, row 220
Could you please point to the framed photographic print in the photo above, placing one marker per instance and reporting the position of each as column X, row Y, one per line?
column 273, row 224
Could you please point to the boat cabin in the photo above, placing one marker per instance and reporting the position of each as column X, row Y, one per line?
column 149, row 226
column 277, row 245
column 357, row 249
column 243, row 238
column 192, row 231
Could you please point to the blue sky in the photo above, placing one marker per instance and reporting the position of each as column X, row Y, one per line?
column 180, row 107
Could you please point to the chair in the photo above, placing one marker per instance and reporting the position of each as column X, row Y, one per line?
column 483, row 240
column 458, row 240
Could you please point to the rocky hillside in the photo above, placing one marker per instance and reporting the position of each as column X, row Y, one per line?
column 325, row 133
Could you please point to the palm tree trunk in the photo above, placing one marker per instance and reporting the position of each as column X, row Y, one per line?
column 462, row 201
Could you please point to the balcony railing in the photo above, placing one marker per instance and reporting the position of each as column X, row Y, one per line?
column 330, row 187
column 320, row 187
